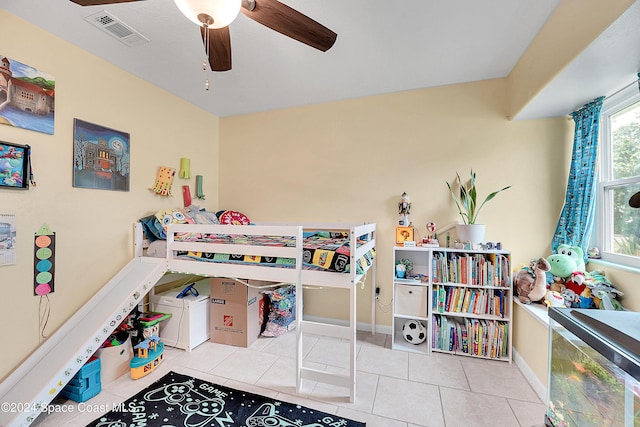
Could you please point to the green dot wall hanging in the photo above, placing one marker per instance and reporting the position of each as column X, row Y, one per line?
column 44, row 261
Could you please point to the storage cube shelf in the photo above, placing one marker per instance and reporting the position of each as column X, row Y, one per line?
column 462, row 297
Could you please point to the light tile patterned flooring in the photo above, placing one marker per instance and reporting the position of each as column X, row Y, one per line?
column 394, row 388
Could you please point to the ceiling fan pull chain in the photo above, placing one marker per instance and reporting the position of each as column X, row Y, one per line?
column 206, row 60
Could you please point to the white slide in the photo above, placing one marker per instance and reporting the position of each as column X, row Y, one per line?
column 28, row 390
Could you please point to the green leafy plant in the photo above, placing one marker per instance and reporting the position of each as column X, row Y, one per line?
column 466, row 199
column 405, row 263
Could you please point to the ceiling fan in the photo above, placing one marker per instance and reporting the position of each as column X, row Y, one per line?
column 214, row 17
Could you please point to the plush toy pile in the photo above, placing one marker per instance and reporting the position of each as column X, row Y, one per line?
column 566, row 282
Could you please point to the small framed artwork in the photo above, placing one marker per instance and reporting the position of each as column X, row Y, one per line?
column 100, row 157
column 14, row 166
column 404, row 234
column 27, row 96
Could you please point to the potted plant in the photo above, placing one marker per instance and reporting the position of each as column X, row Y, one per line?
column 404, row 267
column 468, row 208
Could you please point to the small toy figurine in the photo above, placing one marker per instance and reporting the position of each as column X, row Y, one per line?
column 404, row 208
column 431, row 239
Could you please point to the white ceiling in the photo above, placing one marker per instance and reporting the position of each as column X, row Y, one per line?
column 383, row 46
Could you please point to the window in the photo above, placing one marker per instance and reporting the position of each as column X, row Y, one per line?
column 618, row 224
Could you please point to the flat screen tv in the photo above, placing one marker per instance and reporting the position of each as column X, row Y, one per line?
column 14, row 166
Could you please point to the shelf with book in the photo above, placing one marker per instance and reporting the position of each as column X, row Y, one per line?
column 468, row 301
column 411, row 300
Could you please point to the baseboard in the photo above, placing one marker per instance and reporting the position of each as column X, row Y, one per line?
column 532, row 378
column 360, row 326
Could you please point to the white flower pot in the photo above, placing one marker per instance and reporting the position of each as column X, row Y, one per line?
column 473, row 233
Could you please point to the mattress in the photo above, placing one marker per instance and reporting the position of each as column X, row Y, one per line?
column 322, row 250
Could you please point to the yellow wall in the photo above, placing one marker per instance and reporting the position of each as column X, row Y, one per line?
column 93, row 227
column 351, row 161
column 342, row 161
column 531, row 341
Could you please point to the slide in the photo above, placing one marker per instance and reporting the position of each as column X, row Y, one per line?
column 27, row 391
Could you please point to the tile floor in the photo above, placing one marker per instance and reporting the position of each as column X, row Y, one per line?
column 394, row 388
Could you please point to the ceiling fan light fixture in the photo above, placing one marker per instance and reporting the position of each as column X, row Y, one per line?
column 220, row 12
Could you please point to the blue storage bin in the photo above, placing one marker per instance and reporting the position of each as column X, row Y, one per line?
column 86, row 383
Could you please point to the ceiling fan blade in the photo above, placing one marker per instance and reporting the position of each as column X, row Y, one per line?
column 219, row 48
column 98, row 2
column 285, row 20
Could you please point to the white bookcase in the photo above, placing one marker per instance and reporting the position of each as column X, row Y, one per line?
column 462, row 297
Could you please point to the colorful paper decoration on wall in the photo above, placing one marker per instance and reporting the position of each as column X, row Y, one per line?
column 186, row 196
column 199, row 194
column 164, row 180
column 44, row 261
column 185, row 168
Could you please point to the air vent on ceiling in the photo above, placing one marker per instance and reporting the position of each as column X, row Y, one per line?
column 116, row 28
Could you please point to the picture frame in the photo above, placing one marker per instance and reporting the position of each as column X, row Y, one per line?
column 28, row 96
column 404, row 234
column 14, row 166
column 101, row 157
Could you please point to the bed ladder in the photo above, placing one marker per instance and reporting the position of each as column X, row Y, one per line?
column 347, row 332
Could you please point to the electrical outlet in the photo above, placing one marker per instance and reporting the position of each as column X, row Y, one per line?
column 377, row 292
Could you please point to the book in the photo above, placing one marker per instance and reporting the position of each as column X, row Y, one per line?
column 466, row 301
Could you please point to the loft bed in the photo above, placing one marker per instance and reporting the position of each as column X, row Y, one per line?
column 328, row 255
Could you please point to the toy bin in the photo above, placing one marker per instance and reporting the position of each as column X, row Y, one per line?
column 188, row 326
column 86, row 383
column 115, row 360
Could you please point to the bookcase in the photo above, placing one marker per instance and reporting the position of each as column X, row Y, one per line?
column 462, row 297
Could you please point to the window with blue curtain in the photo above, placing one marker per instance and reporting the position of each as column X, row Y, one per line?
column 577, row 217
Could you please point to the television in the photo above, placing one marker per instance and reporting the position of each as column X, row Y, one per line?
column 14, row 166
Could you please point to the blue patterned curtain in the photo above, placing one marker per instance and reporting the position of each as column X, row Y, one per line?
column 576, row 221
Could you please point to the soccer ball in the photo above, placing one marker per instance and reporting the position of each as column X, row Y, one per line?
column 414, row 331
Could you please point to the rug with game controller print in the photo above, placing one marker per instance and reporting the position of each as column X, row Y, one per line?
column 181, row 400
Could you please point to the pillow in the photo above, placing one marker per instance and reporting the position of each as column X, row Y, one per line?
column 172, row 216
column 282, row 311
column 202, row 216
column 152, row 228
column 233, row 218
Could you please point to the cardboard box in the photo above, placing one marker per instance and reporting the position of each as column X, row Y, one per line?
column 237, row 312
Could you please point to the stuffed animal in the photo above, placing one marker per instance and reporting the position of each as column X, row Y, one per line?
column 530, row 282
column 567, row 267
column 574, row 252
column 608, row 301
column 571, row 299
column 565, row 262
column 553, row 299
column 605, row 295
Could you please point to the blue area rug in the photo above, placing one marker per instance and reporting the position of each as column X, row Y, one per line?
column 180, row 400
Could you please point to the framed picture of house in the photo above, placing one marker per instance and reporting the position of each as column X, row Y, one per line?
column 100, row 157
column 27, row 96
column 14, row 166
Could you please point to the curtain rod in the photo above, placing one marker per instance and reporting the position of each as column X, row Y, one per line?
column 637, row 80
column 616, row 92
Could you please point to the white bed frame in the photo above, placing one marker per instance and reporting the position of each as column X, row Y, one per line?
column 40, row 377
column 297, row 276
